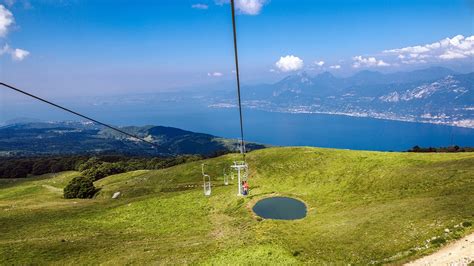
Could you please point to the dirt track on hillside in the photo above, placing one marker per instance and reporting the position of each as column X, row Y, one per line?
column 457, row 253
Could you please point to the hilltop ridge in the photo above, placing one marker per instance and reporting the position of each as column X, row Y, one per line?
column 72, row 137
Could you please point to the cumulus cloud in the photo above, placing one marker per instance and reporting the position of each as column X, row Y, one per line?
column 453, row 55
column 335, row 67
column 6, row 20
column 247, row 7
column 19, row 54
column 214, row 74
column 16, row 54
column 457, row 47
column 319, row 63
column 289, row 63
column 200, row 6
column 360, row 61
column 250, row 7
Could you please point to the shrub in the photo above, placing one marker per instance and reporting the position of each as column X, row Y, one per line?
column 438, row 241
column 80, row 187
column 466, row 224
column 296, row 253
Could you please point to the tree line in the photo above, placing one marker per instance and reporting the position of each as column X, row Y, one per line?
column 442, row 149
column 95, row 167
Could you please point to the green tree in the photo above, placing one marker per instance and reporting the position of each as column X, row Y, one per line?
column 92, row 162
column 80, row 187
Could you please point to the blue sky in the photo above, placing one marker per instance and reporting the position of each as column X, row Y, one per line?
column 99, row 47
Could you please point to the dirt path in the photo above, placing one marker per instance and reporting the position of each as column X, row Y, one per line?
column 53, row 189
column 457, row 253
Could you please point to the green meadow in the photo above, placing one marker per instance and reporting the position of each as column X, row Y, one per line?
column 363, row 208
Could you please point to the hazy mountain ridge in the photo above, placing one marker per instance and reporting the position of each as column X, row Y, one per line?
column 70, row 137
column 434, row 95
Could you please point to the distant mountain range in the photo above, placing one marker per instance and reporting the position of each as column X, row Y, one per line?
column 60, row 138
column 434, row 95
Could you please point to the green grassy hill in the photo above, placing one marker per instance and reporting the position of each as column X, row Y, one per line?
column 364, row 207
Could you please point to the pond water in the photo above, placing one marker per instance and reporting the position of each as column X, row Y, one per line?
column 280, row 208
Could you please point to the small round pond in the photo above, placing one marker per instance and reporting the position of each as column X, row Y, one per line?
column 280, row 208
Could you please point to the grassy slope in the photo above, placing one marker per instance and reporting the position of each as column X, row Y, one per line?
column 363, row 207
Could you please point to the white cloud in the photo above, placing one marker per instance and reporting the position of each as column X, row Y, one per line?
column 335, row 67
column 289, row 63
column 413, row 61
column 200, row 6
column 215, row 74
column 360, row 61
column 448, row 55
column 319, row 63
column 457, row 47
column 250, row 7
column 247, row 7
column 19, row 54
column 6, row 20
column 16, row 54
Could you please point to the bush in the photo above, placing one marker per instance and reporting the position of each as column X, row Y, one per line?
column 466, row 224
column 80, row 187
column 438, row 241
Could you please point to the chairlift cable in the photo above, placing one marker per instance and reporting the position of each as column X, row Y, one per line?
column 242, row 143
column 78, row 114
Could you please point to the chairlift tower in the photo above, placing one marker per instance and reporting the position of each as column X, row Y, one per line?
column 242, row 169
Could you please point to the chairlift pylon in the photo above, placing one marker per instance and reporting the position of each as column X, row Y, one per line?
column 242, row 175
column 240, row 166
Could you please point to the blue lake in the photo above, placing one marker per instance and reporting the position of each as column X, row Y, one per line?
column 271, row 128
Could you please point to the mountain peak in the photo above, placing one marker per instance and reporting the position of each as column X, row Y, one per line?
column 325, row 74
column 301, row 77
column 303, row 74
column 366, row 73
